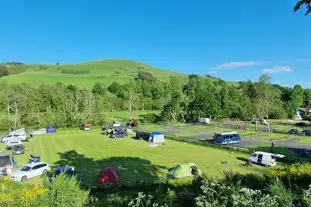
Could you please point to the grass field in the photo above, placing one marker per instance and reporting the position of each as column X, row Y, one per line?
column 305, row 140
column 274, row 136
column 90, row 151
column 103, row 71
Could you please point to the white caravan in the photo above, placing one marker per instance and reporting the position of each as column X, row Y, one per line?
column 264, row 158
column 16, row 134
column 204, row 120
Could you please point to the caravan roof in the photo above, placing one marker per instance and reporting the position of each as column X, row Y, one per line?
column 227, row 133
column 4, row 154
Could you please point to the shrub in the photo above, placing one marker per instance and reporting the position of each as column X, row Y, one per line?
column 64, row 191
column 283, row 196
column 16, row 194
column 254, row 181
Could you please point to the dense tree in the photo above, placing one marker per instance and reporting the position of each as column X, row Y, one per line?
column 178, row 99
column 114, row 88
column 142, row 75
column 296, row 100
column 98, row 89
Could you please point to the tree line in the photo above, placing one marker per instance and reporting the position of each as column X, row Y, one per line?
column 177, row 99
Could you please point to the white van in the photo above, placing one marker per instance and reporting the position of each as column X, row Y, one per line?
column 11, row 142
column 264, row 158
column 17, row 134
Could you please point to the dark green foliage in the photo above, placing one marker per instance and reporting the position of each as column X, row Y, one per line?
column 114, row 88
column 3, row 71
column 142, row 75
column 98, row 89
column 255, row 181
column 306, row 3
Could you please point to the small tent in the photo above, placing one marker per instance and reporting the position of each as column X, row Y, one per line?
column 108, row 175
column 185, row 170
column 51, row 129
column 156, row 137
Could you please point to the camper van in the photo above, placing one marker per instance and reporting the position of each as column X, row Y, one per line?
column 227, row 138
column 17, row 134
column 264, row 158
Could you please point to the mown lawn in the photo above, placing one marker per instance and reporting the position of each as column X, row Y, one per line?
column 274, row 136
column 305, row 140
column 90, row 151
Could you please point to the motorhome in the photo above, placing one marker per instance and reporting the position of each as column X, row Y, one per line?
column 264, row 158
column 16, row 134
column 227, row 138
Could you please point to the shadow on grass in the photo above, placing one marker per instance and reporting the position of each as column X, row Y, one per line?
column 242, row 159
column 131, row 169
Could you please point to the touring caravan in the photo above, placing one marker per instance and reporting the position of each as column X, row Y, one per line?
column 204, row 120
column 264, row 158
column 16, row 134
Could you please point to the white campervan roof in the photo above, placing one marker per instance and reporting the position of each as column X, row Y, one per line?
column 227, row 133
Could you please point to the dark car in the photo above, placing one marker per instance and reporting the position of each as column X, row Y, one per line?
column 118, row 133
column 68, row 170
column 306, row 132
column 18, row 149
column 142, row 135
column 293, row 131
column 302, row 124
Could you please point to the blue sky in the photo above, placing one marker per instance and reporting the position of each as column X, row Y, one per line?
column 233, row 40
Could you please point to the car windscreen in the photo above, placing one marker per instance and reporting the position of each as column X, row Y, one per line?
column 26, row 168
column 4, row 161
column 17, row 147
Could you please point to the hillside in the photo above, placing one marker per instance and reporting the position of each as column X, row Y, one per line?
column 84, row 75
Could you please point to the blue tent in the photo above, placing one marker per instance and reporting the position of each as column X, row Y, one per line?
column 156, row 137
column 51, row 129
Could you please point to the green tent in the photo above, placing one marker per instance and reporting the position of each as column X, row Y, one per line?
column 185, row 170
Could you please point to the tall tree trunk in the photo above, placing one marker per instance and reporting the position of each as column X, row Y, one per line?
column 16, row 115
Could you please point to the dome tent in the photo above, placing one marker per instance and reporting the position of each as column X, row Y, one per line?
column 51, row 129
column 185, row 170
column 108, row 175
column 156, row 137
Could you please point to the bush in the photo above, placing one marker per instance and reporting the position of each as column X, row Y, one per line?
column 283, row 196
column 296, row 174
column 64, row 191
column 16, row 194
column 254, row 181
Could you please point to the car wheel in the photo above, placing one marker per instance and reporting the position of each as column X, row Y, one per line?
column 24, row 178
column 44, row 172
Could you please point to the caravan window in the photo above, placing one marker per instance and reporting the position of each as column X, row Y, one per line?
column 254, row 155
column 5, row 160
column 234, row 135
column 230, row 136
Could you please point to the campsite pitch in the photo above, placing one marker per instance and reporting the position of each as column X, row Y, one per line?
column 89, row 152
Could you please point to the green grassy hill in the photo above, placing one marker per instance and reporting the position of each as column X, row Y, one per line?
column 84, row 75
